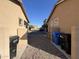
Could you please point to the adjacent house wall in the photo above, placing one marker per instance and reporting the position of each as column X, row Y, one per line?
column 75, row 42
column 10, row 13
column 68, row 15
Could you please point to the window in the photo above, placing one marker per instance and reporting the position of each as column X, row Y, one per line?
column 26, row 24
column 20, row 22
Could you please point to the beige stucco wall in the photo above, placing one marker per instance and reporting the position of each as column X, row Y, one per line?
column 50, row 23
column 10, row 13
column 53, row 25
column 4, row 43
column 75, row 42
column 67, row 13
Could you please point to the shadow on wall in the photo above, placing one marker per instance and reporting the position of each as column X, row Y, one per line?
column 22, row 33
column 24, row 36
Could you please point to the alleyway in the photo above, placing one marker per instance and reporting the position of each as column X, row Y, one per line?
column 39, row 47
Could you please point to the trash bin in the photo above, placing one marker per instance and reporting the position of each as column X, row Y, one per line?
column 56, row 38
column 66, row 42
column 13, row 46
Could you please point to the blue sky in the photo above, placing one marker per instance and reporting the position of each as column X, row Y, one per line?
column 38, row 10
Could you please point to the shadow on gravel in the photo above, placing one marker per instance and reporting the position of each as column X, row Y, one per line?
column 38, row 39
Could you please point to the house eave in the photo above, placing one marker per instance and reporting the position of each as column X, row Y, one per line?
column 23, row 10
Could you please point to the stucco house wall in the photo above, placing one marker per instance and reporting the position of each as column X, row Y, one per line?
column 10, row 14
column 65, row 16
column 67, row 13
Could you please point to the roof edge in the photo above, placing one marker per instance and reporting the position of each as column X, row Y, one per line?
column 58, row 2
column 21, row 5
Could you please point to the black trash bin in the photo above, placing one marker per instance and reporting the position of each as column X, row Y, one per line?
column 66, row 42
column 13, row 46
